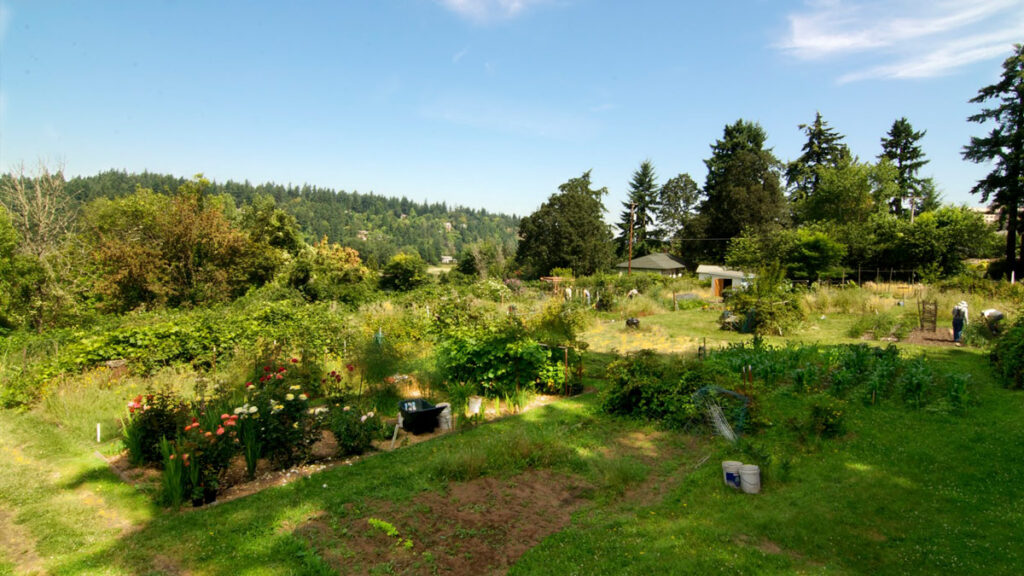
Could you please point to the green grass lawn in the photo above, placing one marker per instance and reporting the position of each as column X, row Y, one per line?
column 903, row 492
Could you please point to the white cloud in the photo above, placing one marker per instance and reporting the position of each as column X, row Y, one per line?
column 489, row 10
column 459, row 55
column 911, row 38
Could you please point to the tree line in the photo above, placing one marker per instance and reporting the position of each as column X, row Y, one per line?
column 824, row 214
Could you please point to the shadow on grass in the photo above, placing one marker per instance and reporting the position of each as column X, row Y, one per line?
column 567, row 437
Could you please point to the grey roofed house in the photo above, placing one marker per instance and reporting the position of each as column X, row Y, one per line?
column 659, row 263
column 722, row 278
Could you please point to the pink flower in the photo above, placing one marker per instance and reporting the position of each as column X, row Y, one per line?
column 207, row 434
column 224, row 416
column 280, row 377
column 228, row 423
column 220, row 430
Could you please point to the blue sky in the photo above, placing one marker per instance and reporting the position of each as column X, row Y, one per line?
column 483, row 103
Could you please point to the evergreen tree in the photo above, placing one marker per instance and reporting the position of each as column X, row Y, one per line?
column 639, row 211
column 742, row 188
column 824, row 148
column 1003, row 145
column 567, row 231
column 901, row 147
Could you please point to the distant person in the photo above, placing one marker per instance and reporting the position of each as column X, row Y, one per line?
column 959, row 321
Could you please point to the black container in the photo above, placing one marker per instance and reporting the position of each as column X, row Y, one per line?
column 419, row 416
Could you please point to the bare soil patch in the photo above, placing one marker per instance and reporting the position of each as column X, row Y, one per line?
column 940, row 337
column 477, row 527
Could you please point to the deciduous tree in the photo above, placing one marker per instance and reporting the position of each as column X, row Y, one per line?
column 678, row 200
column 567, row 231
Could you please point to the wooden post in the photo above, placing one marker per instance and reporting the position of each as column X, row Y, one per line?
column 566, row 392
column 629, row 262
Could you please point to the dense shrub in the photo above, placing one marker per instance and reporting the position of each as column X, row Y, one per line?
column 827, row 417
column 646, row 385
column 151, row 418
column 1008, row 356
column 289, row 425
column 352, row 431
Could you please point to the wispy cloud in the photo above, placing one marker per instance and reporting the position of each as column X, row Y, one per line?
column 908, row 38
column 482, row 11
column 459, row 55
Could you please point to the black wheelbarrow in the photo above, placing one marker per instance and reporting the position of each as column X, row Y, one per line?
column 419, row 416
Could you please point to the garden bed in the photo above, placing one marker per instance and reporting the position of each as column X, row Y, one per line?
column 235, row 484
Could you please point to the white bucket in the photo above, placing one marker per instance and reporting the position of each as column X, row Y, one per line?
column 750, row 478
column 731, row 473
column 445, row 419
column 475, row 402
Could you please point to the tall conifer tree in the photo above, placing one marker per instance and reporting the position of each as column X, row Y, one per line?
column 1003, row 146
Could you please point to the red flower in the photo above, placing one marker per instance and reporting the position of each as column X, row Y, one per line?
column 295, row 360
column 248, row 384
column 281, row 369
column 266, row 368
column 350, row 367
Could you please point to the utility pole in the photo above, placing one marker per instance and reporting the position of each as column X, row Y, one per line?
column 629, row 264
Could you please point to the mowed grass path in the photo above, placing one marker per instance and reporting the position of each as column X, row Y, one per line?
column 904, row 492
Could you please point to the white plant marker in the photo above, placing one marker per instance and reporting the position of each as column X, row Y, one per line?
column 97, row 432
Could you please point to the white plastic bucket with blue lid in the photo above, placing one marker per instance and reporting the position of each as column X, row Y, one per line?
column 731, row 473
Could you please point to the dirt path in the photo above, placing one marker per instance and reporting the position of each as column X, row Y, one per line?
column 17, row 546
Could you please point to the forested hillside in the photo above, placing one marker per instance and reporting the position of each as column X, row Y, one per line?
column 376, row 226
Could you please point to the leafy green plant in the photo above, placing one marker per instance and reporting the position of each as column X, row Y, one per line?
column 1008, row 356
column 827, row 418
column 644, row 385
column 151, row 417
column 390, row 530
column 173, row 475
column 249, row 424
column 352, row 431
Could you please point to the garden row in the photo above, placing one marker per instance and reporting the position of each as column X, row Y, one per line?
column 670, row 389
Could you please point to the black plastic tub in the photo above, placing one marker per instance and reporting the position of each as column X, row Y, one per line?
column 419, row 416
